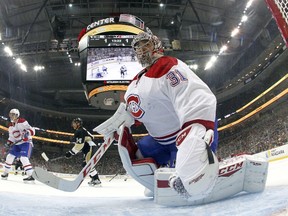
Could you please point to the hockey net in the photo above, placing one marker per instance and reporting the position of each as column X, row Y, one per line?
column 279, row 9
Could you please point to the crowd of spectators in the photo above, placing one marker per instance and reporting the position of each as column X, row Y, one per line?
column 261, row 132
column 109, row 164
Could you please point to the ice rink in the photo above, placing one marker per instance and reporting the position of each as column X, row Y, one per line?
column 120, row 197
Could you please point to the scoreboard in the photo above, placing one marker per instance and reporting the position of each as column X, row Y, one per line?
column 110, row 40
column 108, row 62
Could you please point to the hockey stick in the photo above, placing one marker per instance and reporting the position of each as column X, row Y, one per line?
column 113, row 177
column 46, row 158
column 66, row 185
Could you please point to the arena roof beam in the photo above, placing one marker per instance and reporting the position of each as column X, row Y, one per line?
column 30, row 27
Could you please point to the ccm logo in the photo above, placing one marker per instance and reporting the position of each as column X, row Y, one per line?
column 95, row 159
column 182, row 136
column 229, row 170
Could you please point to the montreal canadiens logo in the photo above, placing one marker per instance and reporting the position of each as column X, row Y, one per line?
column 134, row 106
column 16, row 134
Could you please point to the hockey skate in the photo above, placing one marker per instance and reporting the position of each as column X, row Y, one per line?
column 94, row 182
column 4, row 176
column 29, row 179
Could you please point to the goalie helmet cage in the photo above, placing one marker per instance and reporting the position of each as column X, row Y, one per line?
column 279, row 9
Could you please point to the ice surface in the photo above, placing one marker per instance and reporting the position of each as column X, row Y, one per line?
column 120, row 197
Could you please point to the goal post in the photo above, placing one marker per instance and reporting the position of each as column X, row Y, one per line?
column 279, row 9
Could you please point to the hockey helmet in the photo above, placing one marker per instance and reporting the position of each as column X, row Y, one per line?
column 14, row 114
column 78, row 121
column 144, row 55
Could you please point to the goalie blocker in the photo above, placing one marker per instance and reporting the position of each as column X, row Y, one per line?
column 245, row 173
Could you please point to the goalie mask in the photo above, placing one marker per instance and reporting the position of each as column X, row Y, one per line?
column 145, row 46
column 14, row 114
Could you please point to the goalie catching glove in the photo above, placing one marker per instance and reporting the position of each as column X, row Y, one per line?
column 121, row 117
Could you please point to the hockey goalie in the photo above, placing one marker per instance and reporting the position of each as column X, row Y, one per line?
column 175, row 161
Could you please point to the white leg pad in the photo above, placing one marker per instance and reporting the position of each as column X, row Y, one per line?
column 163, row 194
column 238, row 174
column 256, row 174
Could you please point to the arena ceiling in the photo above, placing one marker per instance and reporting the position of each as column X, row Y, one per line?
column 41, row 32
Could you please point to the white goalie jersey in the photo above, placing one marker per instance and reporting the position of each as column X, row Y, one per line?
column 158, row 98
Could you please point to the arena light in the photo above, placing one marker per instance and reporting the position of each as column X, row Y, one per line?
column 23, row 67
column 249, row 3
column 193, row 66
column 223, row 49
column 38, row 68
column 211, row 62
column 8, row 51
column 235, row 32
column 244, row 18
column 18, row 61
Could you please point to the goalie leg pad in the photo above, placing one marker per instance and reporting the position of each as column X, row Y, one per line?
column 142, row 170
column 256, row 174
column 192, row 163
column 165, row 195
column 237, row 174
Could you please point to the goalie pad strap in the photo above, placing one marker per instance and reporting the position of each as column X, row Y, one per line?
column 210, row 155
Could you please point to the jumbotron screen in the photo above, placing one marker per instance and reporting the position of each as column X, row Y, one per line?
column 110, row 57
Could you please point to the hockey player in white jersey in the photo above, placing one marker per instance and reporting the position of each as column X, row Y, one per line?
column 19, row 143
column 178, row 110
column 123, row 71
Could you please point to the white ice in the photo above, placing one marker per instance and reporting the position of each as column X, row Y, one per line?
column 120, row 197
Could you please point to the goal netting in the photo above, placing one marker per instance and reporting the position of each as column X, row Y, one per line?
column 279, row 9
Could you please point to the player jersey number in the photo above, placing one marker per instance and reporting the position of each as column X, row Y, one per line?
column 175, row 77
column 78, row 140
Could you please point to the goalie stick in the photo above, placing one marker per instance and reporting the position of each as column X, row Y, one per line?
column 67, row 185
